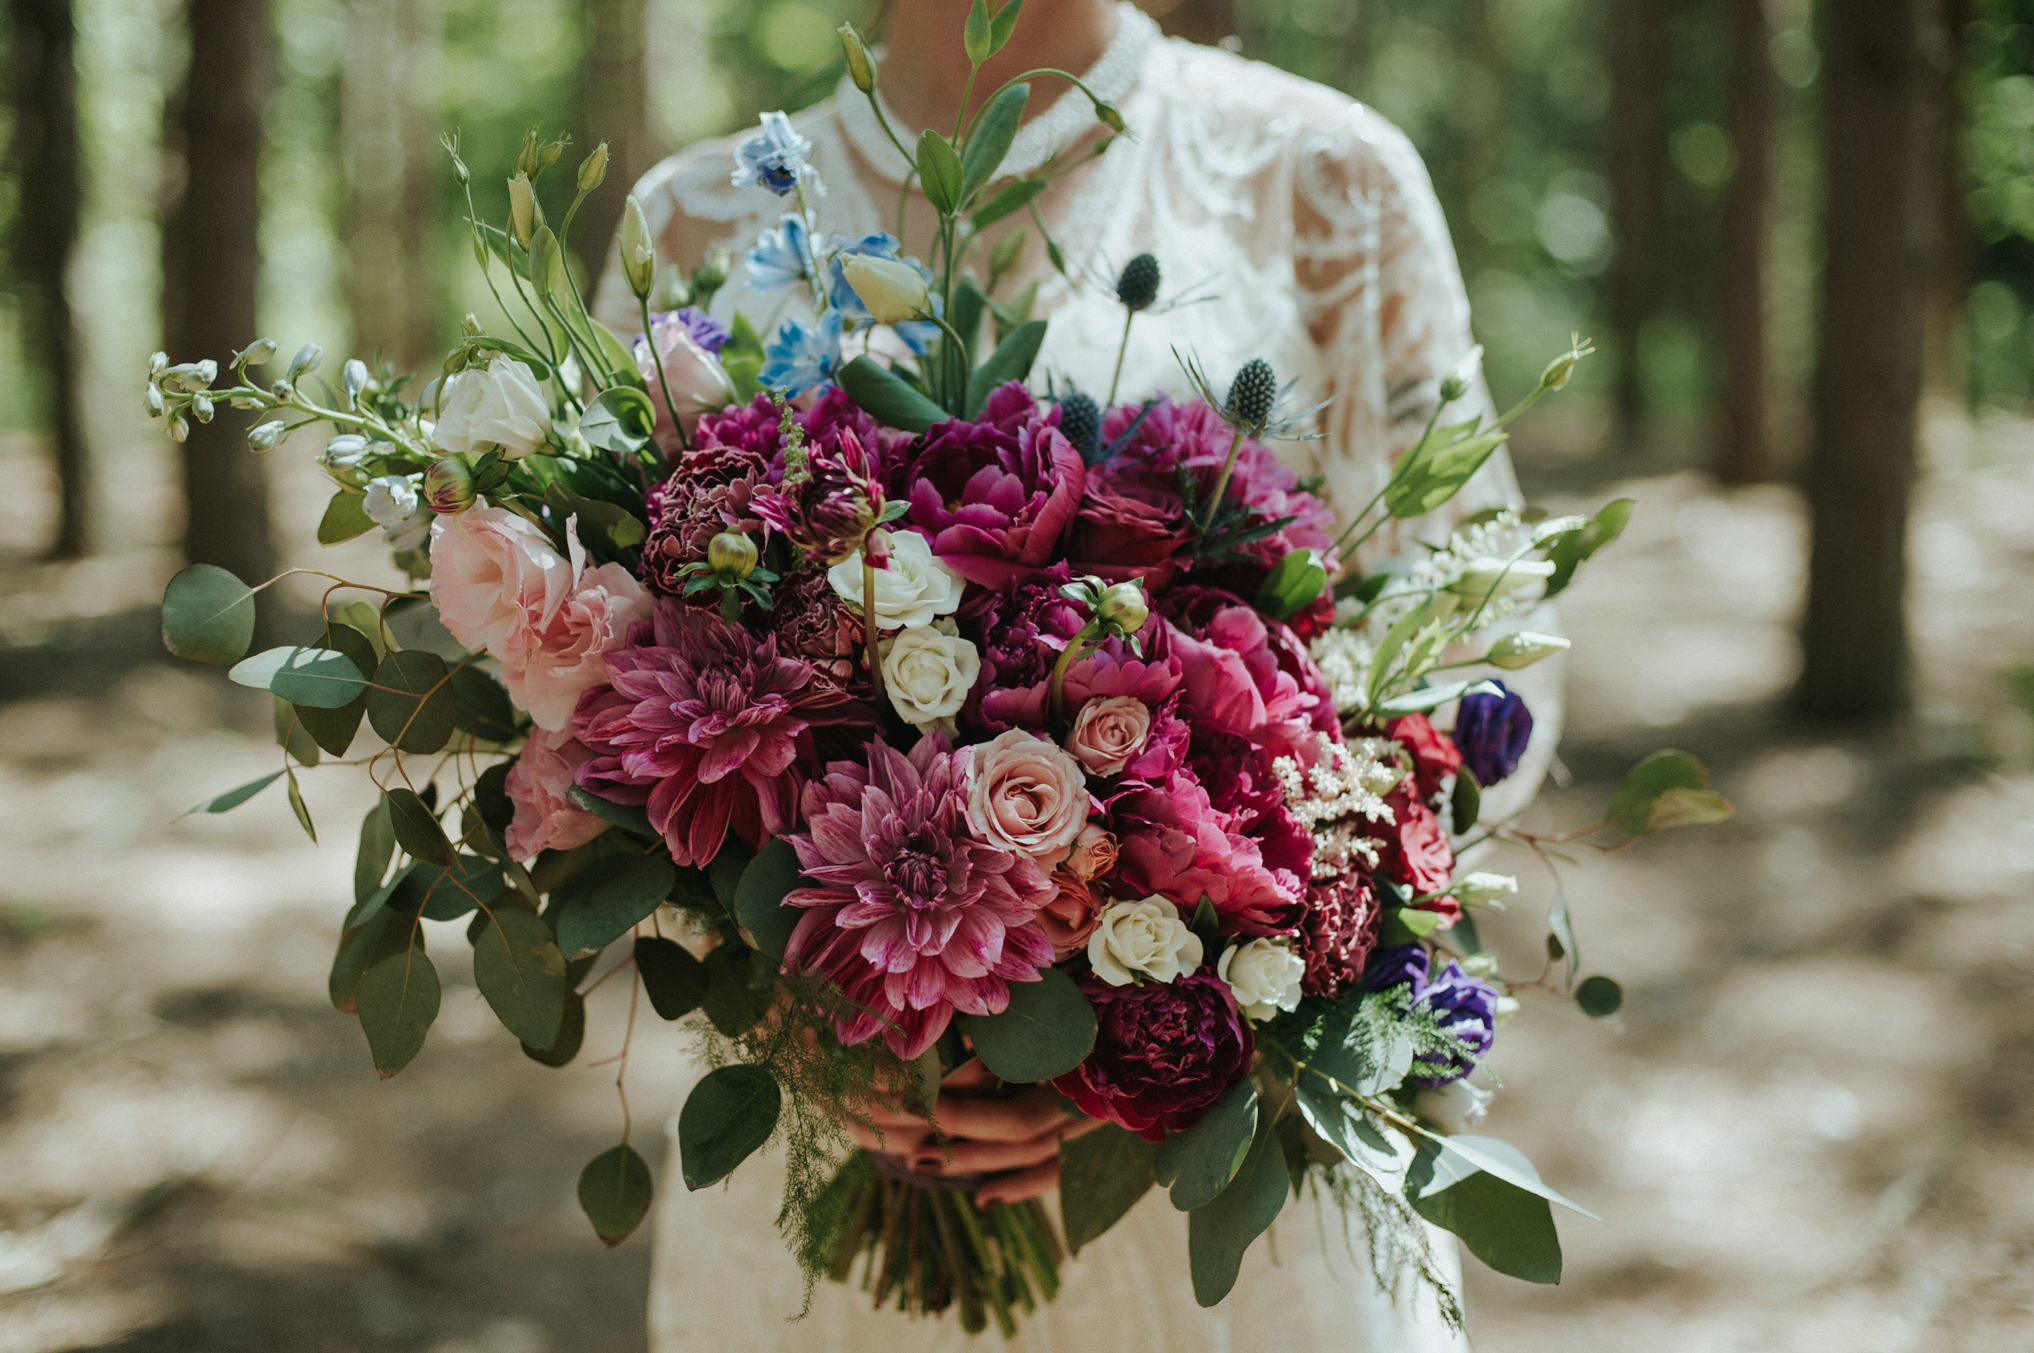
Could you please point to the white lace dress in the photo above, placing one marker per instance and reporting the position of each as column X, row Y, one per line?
column 1310, row 224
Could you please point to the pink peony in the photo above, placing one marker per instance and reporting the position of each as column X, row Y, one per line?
column 537, row 783
column 1025, row 794
column 500, row 585
column 1108, row 732
column 1245, row 674
column 1177, row 844
column 710, row 729
column 910, row 915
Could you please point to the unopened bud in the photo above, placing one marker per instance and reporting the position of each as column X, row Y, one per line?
column 353, row 378
column 448, row 485
column 158, row 362
column 712, row 273
column 1481, row 889
column 593, row 169
column 638, row 250
column 178, row 428
column 522, row 209
column 1456, row 383
column 306, row 360
column 152, row 401
column 1123, row 609
column 526, row 158
column 1110, row 118
column 548, row 156
column 1523, row 649
column 861, row 63
column 470, row 326
column 732, row 555
column 201, row 408
column 345, row 450
column 261, row 437
column 256, row 353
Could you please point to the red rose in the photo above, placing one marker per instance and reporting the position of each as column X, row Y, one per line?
column 1434, row 755
column 1417, row 853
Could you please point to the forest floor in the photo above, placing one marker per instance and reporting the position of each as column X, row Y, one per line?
column 1812, row 1127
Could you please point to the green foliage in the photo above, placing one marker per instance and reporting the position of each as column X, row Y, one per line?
column 759, row 897
column 615, row 1191
column 519, row 969
column 1200, row 1161
column 1508, row 1227
column 726, row 1119
column 334, row 728
column 410, row 705
column 939, row 170
column 1047, row 1030
column 886, row 397
column 1011, row 361
column 207, row 616
column 1219, row 1232
column 317, row 677
column 603, row 901
column 1294, row 583
column 1667, row 789
column 233, row 798
column 672, row 978
column 397, row 1000
column 1101, row 1177
column 990, row 140
column 416, row 827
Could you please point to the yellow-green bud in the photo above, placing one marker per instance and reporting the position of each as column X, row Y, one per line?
column 1514, row 651
column 1558, row 371
column 732, row 555
column 522, row 210
column 638, row 250
column 861, row 63
column 593, row 169
column 448, row 485
column 1110, row 118
column 470, row 326
column 1123, row 609
column 526, row 158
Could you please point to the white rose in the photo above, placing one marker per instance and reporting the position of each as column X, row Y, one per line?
column 914, row 590
column 1455, row 1107
column 1487, row 577
column 928, row 673
column 1264, row 975
column 1480, row 889
column 1143, row 939
column 392, row 503
column 500, row 407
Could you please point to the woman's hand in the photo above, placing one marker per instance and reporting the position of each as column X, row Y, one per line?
column 1015, row 1138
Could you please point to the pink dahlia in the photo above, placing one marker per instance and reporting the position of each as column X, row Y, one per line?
column 708, row 728
column 908, row 914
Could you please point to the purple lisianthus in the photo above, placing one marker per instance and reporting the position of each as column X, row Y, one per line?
column 994, row 495
column 1491, row 732
column 1165, row 1053
column 1465, row 1006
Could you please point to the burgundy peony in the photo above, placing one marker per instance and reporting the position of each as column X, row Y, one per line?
column 995, row 495
column 811, row 622
column 1338, row 934
column 709, row 729
column 1165, row 1053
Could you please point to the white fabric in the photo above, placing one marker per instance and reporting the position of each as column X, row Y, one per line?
column 1310, row 223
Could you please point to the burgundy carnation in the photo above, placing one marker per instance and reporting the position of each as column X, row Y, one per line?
column 1165, row 1053
column 711, row 490
column 1338, row 934
column 1433, row 752
column 810, row 621
column 1416, row 852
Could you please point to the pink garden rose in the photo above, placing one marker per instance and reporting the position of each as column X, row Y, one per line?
column 1094, row 854
column 1070, row 918
column 550, row 621
column 537, row 784
column 1026, row 795
column 1108, row 732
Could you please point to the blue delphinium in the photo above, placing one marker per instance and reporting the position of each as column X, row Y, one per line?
column 1462, row 1005
column 801, row 355
column 773, row 158
column 1491, row 731
column 781, row 257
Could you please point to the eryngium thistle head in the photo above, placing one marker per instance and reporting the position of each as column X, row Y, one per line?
column 1253, row 394
column 1080, row 422
column 1137, row 288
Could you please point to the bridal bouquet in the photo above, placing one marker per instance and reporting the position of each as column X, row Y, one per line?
column 886, row 719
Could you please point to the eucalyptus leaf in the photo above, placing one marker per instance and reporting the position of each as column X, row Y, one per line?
column 571, row 1036
column 615, row 1191
column 300, row 808
column 630, row 817
column 519, row 969
column 1507, row 1227
column 318, row 677
column 1219, row 1233
column 1497, row 1158
column 726, row 1119
column 233, row 798
column 1102, row 1175
column 397, row 1000
column 207, row 616
column 738, row 990
column 416, row 827
column 1047, row 1030
column 672, row 978
column 345, row 517
column 603, row 902
column 1200, row 1161
column 1465, row 802
column 411, row 706
column 482, row 706
column 1667, row 789
column 1572, row 549
column 377, row 847
column 759, row 897
column 380, row 934
column 603, row 527
column 619, row 420
column 334, row 729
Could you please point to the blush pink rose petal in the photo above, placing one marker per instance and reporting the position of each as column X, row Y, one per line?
column 537, row 784
column 1108, row 732
column 1027, row 795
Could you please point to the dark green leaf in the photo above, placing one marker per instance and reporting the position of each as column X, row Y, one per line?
column 725, row 873
column 615, row 1192
column 1047, row 1030
column 1011, row 361
column 886, row 397
column 411, row 706
column 1293, row 585
column 571, row 1036
column 1199, row 1162
column 738, row 989
column 759, row 897
column 303, row 676
column 397, row 999
column 1101, row 1177
column 233, row 798
column 483, row 707
column 600, row 523
column 518, row 968
column 1009, row 200
column 1599, row 997
column 298, row 806
column 991, row 138
column 416, row 827
column 727, row 1117
column 380, row 934
column 630, row 817
column 673, row 979
column 376, row 849
column 345, row 517
column 1219, row 1233
column 207, row 616
column 334, row 729
column 1505, row 1226
column 490, row 797
column 600, row 903
column 1465, row 803
column 939, row 172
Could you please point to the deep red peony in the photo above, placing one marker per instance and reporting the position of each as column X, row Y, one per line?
column 1165, row 1053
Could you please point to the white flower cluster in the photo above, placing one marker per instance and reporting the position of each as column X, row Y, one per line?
column 1337, row 796
column 1344, row 657
column 928, row 669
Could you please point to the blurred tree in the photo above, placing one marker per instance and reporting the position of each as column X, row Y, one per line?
column 42, row 85
column 1206, row 21
column 1743, row 453
column 1878, row 197
column 1949, row 280
column 211, row 245
column 393, row 165
column 1636, row 160
column 614, row 106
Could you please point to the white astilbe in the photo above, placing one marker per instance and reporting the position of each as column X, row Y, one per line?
column 1338, row 796
column 1344, row 656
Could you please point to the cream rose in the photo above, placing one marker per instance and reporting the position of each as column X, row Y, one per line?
column 1143, row 939
column 928, row 673
column 1026, row 795
column 1109, row 730
column 1264, row 975
column 915, row 589
column 496, row 407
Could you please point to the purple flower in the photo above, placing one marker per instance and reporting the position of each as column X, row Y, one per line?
column 708, row 332
column 1465, row 1006
column 826, row 507
column 1491, row 732
column 1165, row 1053
column 908, row 913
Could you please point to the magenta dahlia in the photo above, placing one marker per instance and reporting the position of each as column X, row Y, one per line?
column 710, row 729
column 907, row 913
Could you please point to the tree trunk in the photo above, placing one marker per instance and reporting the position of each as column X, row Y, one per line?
column 1949, row 281
column 1743, row 447
column 211, row 265
column 1868, row 379
column 42, row 74
column 614, row 106
column 393, row 169
column 1636, row 159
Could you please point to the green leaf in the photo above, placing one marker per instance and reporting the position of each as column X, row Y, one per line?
column 1047, row 1030
column 742, row 357
column 1102, row 1175
column 411, row 706
column 446, row 893
column 727, row 1118
column 1599, row 997
column 886, row 397
column 334, row 729
column 1395, row 639
column 615, row 1191
column 1342, row 1123
column 759, row 897
column 990, row 140
column 1667, row 789
column 1569, row 551
column 738, row 989
column 1465, row 802
column 518, row 968
column 207, row 616
column 1008, row 201
column 619, row 420
column 300, row 808
column 318, row 677
column 1011, row 361
column 345, row 517
column 1003, row 25
column 602, row 902
column 1294, row 583
column 380, row 934
column 1500, row 1159
column 376, row 849
column 939, row 171
column 673, row 979
column 630, row 817
column 621, row 363
column 725, row 873
column 1219, row 1233
column 397, row 999
column 416, row 827
column 233, row 798
column 1423, row 698
column 975, row 34
column 1200, row 1162
column 1507, row 1227
column 600, row 524
column 482, row 706
column 571, row 1036
column 491, row 800
column 1438, row 474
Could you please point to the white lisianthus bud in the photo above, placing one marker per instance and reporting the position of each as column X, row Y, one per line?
column 912, row 586
column 496, row 407
column 1454, row 1108
column 1487, row 578
column 860, row 63
column 894, row 291
column 522, row 210
column 1481, row 889
column 928, row 673
column 1523, row 649
column 1265, row 976
column 1144, row 939
column 1462, row 375
column 593, row 169
column 638, row 250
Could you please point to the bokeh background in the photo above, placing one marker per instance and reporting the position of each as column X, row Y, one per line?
column 1802, row 234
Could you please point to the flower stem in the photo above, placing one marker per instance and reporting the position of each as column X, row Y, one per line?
column 1222, row 481
column 1122, row 349
column 1057, row 685
column 869, row 630
column 663, row 381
